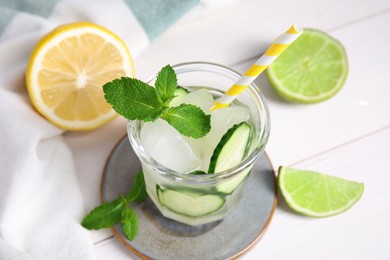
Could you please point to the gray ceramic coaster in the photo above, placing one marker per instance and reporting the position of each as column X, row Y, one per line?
column 162, row 238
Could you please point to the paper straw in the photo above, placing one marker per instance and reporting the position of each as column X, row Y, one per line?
column 261, row 64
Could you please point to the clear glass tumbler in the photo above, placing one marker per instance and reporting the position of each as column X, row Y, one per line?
column 200, row 199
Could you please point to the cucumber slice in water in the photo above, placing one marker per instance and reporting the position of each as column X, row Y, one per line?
column 180, row 94
column 229, row 152
column 189, row 203
column 231, row 149
column 179, row 91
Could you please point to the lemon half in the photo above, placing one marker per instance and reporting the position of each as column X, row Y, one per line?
column 67, row 70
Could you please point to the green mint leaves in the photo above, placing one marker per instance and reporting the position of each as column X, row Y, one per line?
column 138, row 190
column 110, row 213
column 129, row 221
column 166, row 84
column 136, row 100
column 104, row 216
column 188, row 119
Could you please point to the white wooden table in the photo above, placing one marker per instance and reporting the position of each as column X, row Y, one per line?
column 346, row 136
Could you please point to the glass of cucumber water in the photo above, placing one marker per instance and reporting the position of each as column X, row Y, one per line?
column 197, row 181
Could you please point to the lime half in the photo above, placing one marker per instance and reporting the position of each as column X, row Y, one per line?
column 317, row 195
column 312, row 69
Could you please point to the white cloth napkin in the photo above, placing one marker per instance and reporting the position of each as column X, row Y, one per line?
column 41, row 206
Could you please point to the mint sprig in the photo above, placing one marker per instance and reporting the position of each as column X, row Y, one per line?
column 136, row 100
column 110, row 213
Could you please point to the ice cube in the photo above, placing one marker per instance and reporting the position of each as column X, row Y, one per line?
column 168, row 147
column 223, row 119
column 201, row 98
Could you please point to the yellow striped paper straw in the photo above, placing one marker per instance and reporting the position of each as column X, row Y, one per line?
column 261, row 64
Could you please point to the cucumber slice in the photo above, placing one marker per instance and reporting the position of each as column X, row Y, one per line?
column 180, row 93
column 189, row 203
column 198, row 172
column 229, row 186
column 229, row 152
column 231, row 149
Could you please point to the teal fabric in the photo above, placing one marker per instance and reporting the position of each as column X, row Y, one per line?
column 9, row 8
column 38, row 7
column 155, row 16
column 6, row 16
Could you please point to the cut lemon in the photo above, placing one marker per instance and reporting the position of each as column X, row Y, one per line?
column 312, row 69
column 67, row 70
column 315, row 194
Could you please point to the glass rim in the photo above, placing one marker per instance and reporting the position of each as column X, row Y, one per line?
column 133, row 130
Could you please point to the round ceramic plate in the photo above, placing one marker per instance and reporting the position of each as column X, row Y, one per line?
column 162, row 238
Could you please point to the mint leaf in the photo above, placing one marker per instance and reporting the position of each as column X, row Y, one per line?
column 166, row 83
column 136, row 100
column 133, row 99
column 138, row 189
column 110, row 213
column 189, row 120
column 104, row 216
column 129, row 221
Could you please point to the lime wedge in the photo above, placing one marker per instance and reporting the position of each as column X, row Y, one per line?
column 317, row 195
column 311, row 69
